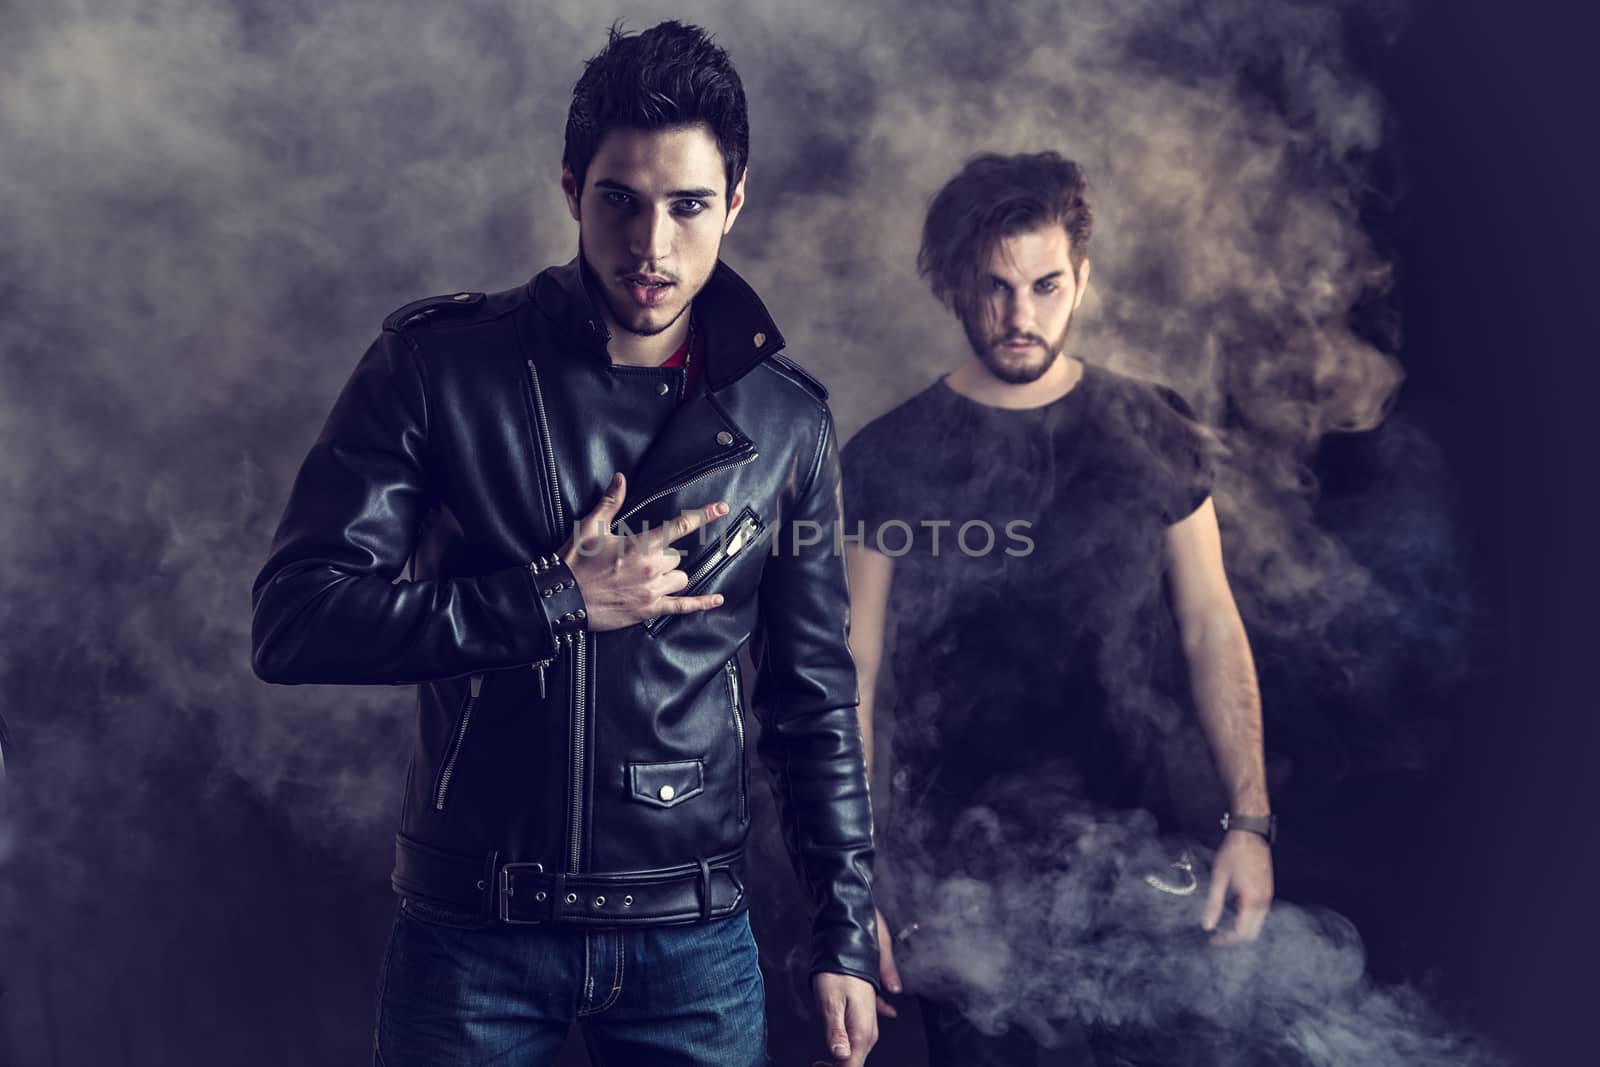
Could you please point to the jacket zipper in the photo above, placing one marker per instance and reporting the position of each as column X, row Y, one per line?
column 728, row 546
column 738, row 729
column 579, row 644
column 474, row 685
column 659, row 493
column 580, row 702
column 552, row 481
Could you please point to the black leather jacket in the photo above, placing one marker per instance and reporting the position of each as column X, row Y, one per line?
column 561, row 775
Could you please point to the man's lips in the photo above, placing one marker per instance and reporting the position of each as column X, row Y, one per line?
column 647, row 290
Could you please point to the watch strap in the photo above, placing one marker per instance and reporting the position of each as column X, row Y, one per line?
column 1265, row 825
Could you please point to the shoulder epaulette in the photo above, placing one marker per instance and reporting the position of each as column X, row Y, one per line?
column 432, row 309
column 805, row 378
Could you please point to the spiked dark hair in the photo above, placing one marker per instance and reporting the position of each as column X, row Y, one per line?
column 669, row 75
column 992, row 198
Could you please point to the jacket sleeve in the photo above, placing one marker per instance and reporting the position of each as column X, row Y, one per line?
column 806, row 694
column 328, row 603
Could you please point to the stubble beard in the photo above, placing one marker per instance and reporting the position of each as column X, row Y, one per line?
column 622, row 320
column 616, row 314
column 654, row 331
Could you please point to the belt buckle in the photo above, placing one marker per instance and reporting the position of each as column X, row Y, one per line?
column 503, row 897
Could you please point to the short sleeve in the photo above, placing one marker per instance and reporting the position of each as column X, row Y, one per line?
column 869, row 490
column 884, row 469
column 1186, row 454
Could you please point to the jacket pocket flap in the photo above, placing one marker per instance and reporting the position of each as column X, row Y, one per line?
column 666, row 784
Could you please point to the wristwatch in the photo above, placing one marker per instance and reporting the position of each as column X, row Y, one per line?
column 1265, row 825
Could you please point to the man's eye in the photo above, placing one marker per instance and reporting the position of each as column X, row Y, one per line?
column 1046, row 287
column 689, row 207
column 616, row 199
column 999, row 286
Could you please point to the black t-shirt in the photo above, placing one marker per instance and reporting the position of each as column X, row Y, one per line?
column 1030, row 648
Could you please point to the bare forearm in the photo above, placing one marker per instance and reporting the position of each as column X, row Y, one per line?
column 1223, row 676
column 870, row 575
column 866, row 680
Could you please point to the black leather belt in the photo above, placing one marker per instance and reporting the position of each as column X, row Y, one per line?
column 527, row 893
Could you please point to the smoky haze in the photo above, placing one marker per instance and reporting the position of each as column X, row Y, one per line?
column 209, row 208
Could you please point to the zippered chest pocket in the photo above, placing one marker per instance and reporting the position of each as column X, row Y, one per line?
column 738, row 537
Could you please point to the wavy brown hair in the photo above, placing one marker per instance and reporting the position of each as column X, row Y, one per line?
column 992, row 198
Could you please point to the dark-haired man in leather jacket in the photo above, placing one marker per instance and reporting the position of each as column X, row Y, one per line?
column 574, row 817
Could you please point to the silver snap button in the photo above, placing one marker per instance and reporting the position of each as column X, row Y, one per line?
column 627, row 902
column 662, row 389
column 538, row 868
column 759, row 339
column 540, row 896
column 666, row 792
column 572, row 898
column 482, row 884
column 463, row 296
column 599, row 902
column 547, row 592
column 724, row 437
column 581, row 614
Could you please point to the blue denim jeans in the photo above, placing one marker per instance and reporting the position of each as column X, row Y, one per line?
column 456, row 991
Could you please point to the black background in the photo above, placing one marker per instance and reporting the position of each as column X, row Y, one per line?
column 1499, row 239
column 1471, row 877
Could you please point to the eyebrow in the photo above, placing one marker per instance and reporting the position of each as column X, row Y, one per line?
column 675, row 194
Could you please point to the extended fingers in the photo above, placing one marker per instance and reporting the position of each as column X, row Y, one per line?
column 687, row 605
column 610, row 504
column 683, row 524
column 591, row 533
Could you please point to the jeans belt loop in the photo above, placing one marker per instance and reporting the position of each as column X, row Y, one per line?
column 705, row 889
column 489, row 886
column 558, row 893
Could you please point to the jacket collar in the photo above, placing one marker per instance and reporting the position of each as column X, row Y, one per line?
column 739, row 332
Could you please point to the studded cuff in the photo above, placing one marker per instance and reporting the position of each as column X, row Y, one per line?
column 557, row 592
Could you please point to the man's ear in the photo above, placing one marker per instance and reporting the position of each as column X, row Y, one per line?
column 569, row 185
column 735, row 202
column 1083, row 284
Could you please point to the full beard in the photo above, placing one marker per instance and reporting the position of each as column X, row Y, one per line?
column 995, row 358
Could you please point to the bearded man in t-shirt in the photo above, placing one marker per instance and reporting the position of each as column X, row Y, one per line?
column 1026, row 532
